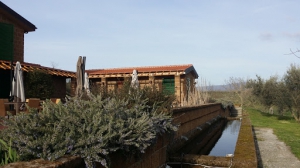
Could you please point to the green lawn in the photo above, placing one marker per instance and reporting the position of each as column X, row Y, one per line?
column 286, row 128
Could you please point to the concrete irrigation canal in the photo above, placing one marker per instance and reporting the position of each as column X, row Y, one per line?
column 216, row 137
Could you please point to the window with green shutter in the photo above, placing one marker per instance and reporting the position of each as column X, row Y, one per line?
column 6, row 41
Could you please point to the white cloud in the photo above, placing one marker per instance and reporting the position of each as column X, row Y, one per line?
column 266, row 36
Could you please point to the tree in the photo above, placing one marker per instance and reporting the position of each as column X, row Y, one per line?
column 292, row 82
column 256, row 86
column 269, row 92
column 282, row 97
column 238, row 87
column 275, row 94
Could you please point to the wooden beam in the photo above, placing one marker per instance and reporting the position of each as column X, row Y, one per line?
column 140, row 74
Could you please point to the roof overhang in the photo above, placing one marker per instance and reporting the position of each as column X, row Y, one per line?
column 14, row 16
column 144, row 71
column 192, row 70
column 27, row 67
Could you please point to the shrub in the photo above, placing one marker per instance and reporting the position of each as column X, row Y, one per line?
column 7, row 153
column 150, row 93
column 225, row 103
column 39, row 84
column 91, row 128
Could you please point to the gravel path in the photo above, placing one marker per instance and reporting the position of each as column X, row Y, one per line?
column 273, row 153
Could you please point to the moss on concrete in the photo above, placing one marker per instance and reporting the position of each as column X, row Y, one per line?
column 245, row 152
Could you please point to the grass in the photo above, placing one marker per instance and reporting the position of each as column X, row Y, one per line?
column 284, row 127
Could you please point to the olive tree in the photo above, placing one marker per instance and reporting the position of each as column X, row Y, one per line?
column 270, row 93
column 292, row 82
column 275, row 94
column 282, row 97
column 256, row 86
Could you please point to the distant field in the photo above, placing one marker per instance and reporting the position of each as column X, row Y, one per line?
column 218, row 94
column 284, row 127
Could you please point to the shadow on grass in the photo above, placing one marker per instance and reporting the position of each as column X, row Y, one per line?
column 266, row 114
column 279, row 117
column 258, row 155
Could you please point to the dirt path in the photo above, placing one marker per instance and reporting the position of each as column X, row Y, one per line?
column 273, row 153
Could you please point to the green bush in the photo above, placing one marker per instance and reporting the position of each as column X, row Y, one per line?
column 7, row 153
column 91, row 128
column 225, row 103
column 39, row 84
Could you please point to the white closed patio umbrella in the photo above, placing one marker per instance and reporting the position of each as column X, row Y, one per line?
column 134, row 80
column 87, row 84
column 18, row 85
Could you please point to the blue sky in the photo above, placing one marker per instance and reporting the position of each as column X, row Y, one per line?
column 222, row 39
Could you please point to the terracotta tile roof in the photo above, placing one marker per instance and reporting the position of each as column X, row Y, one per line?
column 30, row 67
column 27, row 26
column 147, row 69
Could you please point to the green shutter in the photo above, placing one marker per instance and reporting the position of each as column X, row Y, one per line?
column 6, row 41
column 168, row 85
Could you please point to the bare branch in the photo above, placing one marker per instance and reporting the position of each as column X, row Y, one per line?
column 294, row 53
column 54, row 64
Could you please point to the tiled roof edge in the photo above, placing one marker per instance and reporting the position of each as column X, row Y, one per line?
column 26, row 64
column 162, row 66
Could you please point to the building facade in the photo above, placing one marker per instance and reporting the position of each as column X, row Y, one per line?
column 177, row 79
column 12, row 29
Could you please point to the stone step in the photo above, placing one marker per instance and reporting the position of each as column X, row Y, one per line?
column 236, row 112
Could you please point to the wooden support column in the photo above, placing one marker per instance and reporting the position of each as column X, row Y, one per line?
column 151, row 81
column 178, row 88
column 73, row 86
column 104, row 84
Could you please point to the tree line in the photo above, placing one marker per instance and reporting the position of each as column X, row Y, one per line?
column 280, row 94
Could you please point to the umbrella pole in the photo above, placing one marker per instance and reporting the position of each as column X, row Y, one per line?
column 11, row 69
column 11, row 107
column 83, row 71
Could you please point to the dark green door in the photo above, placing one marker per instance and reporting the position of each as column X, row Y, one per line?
column 168, row 85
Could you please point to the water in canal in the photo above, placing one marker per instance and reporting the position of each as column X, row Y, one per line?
column 227, row 141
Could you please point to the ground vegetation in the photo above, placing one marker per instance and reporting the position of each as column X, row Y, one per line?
column 93, row 127
column 284, row 127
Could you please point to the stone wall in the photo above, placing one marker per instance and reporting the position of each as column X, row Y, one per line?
column 193, row 120
column 154, row 157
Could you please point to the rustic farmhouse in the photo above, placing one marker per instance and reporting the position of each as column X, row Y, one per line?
column 178, row 79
